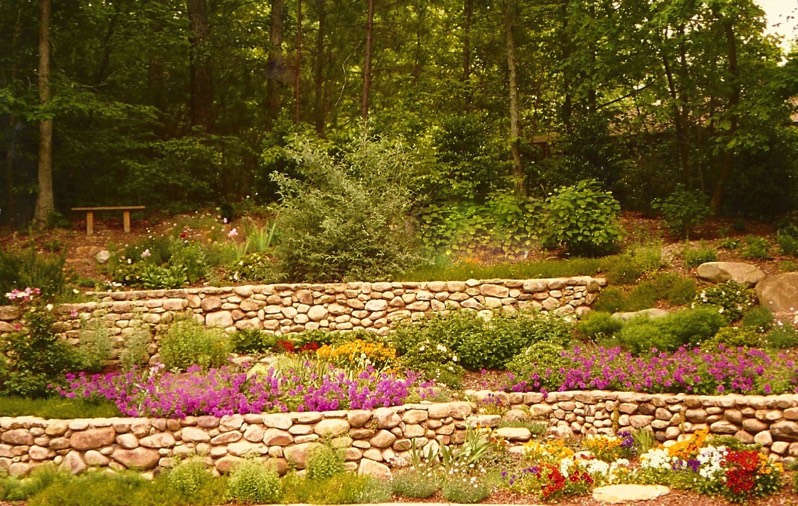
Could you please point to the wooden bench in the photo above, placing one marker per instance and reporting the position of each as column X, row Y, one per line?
column 90, row 215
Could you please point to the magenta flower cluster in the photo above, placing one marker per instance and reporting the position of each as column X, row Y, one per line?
column 688, row 370
column 228, row 390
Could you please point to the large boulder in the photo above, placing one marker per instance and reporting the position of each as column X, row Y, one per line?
column 779, row 293
column 720, row 272
column 652, row 313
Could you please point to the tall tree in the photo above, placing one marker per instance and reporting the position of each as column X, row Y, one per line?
column 515, row 108
column 318, row 68
column 45, row 202
column 298, row 69
column 274, row 64
column 201, row 100
column 364, row 100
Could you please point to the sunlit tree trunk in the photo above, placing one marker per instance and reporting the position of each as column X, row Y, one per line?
column 298, row 72
column 515, row 116
column 45, row 203
column 318, row 70
column 275, row 60
column 364, row 101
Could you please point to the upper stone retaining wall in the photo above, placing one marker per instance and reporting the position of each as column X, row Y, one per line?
column 372, row 440
column 292, row 308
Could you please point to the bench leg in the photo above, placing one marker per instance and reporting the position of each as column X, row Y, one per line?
column 89, row 222
column 126, row 221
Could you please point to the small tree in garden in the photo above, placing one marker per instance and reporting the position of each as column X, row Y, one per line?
column 346, row 214
column 683, row 210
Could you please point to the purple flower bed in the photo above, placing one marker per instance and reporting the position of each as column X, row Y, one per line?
column 728, row 370
column 228, row 390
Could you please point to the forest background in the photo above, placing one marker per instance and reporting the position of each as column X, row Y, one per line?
column 186, row 104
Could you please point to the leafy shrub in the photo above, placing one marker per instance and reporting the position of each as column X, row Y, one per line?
column 583, row 218
column 787, row 239
column 759, row 318
column 686, row 327
column 629, row 267
column 357, row 354
column 683, row 210
column 464, row 489
column 734, row 337
column 599, row 324
column 40, row 479
column 611, row 300
column 413, row 483
column 190, row 479
column 731, row 298
column 782, row 336
column 95, row 489
column 693, row 257
column 756, row 248
column 248, row 341
column 325, row 462
column 346, row 217
column 188, row 343
column 256, row 267
column 254, row 482
column 788, row 266
column 20, row 269
column 662, row 287
column 135, row 350
column 541, row 360
column 349, row 488
column 94, row 347
column 36, row 357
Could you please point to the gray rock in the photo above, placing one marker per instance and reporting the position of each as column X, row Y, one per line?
column 618, row 494
column 720, row 272
column 652, row 313
column 102, row 256
column 779, row 293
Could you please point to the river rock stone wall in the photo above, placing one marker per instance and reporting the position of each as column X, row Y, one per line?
column 293, row 308
column 374, row 441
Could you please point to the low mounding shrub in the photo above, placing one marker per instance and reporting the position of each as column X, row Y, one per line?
column 188, row 343
column 758, row 318
column 733, row 337
column 756, row 248
column 415, row 484
column 686, row 327
column 540, row 364
column 731, row 298
column 95, row 489
column 255, row 482
column 583, row 218
column 252, row 341
column 599, row 324
column 693, row 257
column 464, row 489
column 787, row 239
column 324, row 463
column 782, row 336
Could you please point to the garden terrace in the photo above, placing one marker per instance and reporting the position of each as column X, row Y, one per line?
column 294, row 308
column 374, row 439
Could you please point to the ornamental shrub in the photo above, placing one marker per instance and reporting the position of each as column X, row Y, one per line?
column 686, row 327
column 583, row 218
column 758, row 318
column 255, row 482
column 191, row 482
column 787, row 239
column 599, row 324
column 415, row 484
column 731, row 298
column 20, row 269
column 346, row 215
column 683, row 210
column 460, row 489
column 734, row 337
column 540, row 364
column 782, row 336
column 693, row 257
column 324, row 463
column 756, row 248
column 249, row 341
column 188, row 343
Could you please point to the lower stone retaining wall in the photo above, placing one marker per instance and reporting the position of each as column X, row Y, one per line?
column 286, row 309
column 372, row 440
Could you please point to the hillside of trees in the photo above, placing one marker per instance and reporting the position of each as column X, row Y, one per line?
column 184, row 104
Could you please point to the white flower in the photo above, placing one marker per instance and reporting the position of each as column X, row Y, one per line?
column 49, row 307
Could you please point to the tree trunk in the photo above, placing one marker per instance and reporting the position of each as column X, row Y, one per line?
column 364, row 101
column 318, row 71
column 565, row 43
column 515, row 121
column 201, row 101
column 734, row 100
column 680, row 108
column 274, row 63
column 298, row 71
column 11, row 201
column 45, row 203
column 468, row 12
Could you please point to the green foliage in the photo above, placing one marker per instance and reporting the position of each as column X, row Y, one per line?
column 414, row 483
column 36, row 357
column 255, row 267
column 56, row 407
column 461, row 489
column 758, row 318
column 731, row 298
column 188, row 343
column 599, row 324
column 669, row 288
column 94, row 489
column 611, row 300
column 686, row 327
column 40, row 479
column 249, row 341
column 94, row 347
column 324, row 463
column 629, row 267
column 782, row 336
column 756, row 248
column 583, row 218
column 683, row 210
column 693, row 257
column 543, row 360
column 253, row 482
column 734, row 337
column 787, row 239
column 22, row 269
column 135, row 350
column 191, row 481
column 346, row 217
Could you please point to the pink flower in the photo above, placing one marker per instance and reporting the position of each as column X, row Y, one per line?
column 146, row 253
column 233, row 233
